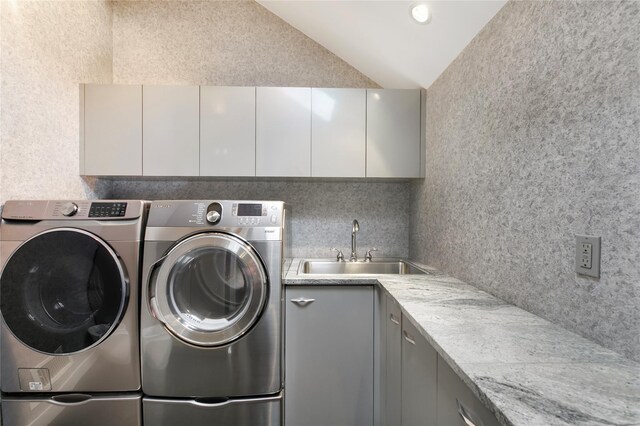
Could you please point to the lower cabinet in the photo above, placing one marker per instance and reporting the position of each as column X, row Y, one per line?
column 392, row 393
column 457, row 405
column 419, row 378
column 420, row 389
column 329, row 355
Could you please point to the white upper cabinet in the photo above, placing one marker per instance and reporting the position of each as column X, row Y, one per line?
column 128, row 130
column 170, row 130
column 111, row 143
column 338, row 132
column 393, row 133
column 283, row 131
column 227, row 131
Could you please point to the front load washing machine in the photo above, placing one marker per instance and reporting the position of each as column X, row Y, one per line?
column 69, row 307
column 211, row 314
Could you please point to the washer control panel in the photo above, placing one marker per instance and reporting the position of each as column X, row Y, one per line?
column 73, row 209
column 107, row 209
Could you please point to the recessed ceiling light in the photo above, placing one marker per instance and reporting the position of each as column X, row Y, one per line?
column 420, row 13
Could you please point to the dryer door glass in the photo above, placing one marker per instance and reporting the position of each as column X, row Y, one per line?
column 62, row 291
column 210, row 289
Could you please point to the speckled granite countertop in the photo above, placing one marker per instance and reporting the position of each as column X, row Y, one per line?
column 527, row 370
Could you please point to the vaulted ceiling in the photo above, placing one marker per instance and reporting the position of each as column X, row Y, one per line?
column 381, row 40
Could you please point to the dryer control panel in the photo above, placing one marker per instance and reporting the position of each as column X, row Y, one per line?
column 222, row 213
column 260, row 214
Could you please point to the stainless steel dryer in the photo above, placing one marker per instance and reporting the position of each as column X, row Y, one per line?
column 69, row 307
column 211, row 315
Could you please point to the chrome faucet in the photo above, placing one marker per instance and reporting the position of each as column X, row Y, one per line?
column 355, row 228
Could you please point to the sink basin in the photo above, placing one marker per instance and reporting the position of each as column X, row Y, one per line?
column 382, row 266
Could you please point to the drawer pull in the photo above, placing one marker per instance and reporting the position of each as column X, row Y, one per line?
column 408, row 338
column 302, row 301
column 394, row 319
column 465, row 415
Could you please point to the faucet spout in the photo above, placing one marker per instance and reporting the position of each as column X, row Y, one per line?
column 354, row 229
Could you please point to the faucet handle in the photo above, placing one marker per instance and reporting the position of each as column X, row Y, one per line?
column 367, row 256
column 339, row 256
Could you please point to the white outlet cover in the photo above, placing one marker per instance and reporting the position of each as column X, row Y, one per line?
column 594, row 271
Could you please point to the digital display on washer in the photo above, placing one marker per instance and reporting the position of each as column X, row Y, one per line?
column 249, row 209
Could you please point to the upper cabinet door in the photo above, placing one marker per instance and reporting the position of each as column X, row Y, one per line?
column 170, row 130
column 283, row 131
column 338, row 135
column 393, row 133
column 227, row 131
column 112, row 130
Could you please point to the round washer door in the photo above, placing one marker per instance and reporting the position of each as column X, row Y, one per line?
column 63, row 291
column 210, row 289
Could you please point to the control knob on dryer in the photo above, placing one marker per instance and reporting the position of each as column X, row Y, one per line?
column 214, row 213
column 69, row 209
column 213, row 216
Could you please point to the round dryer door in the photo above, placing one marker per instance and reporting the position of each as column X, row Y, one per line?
column 210, row 289
column 62, row 291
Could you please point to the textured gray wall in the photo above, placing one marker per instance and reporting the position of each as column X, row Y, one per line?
column 225, row 43
column 241, row 43
column 533, row 137
column 47, row 47
column 322, row 211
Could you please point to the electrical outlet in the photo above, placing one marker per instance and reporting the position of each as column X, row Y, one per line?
column 588, row 255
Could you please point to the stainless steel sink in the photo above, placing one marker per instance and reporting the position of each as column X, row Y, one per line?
column 381, row 266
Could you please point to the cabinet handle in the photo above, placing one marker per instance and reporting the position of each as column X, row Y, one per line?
column 408, row 338
column 394, row 319
column 302, row 301
column 466, row 418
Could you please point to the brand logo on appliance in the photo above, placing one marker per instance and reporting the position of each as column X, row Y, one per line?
column 269, row 231
column 162, row 206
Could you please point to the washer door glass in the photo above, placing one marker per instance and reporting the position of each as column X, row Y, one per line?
column 62, row 291
column 210, row 289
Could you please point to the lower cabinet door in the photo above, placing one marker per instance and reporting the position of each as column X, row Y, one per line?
column 329, row 354
column 419, row 374
column 457, row 405
column 393, row 363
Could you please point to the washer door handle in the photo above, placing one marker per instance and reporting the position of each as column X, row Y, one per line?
column 152, row 303
column 302, row 301
column 155, row 311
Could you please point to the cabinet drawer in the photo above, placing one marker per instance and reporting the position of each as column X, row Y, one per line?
column 393, row 370
column 456, row 400
column 419, row 370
